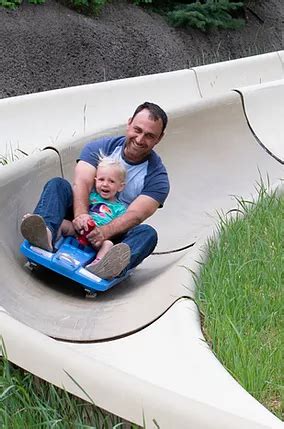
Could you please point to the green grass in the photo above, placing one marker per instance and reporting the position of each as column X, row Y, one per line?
column 28, row 402
column 240, row 294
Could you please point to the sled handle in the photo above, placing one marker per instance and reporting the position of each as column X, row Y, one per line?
column 68, row 258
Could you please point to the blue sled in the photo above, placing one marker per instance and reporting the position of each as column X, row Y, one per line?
column 69, row 260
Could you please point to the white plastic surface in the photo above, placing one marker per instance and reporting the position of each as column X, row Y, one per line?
column 214, row 79
column 66, row 115
column 266, row 119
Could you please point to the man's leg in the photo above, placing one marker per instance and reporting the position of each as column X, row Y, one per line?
column 142, row 240
column 55, row 204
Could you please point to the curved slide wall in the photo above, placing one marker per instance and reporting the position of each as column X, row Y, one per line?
column 164, row 371
column 268, row 132
column 78, row 112
column 214, row 79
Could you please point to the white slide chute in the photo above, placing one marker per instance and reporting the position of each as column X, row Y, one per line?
column 138, row 350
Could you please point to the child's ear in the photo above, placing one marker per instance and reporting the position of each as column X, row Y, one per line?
column 121, row 186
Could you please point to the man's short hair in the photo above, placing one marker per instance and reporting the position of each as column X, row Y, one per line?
column 155, row 113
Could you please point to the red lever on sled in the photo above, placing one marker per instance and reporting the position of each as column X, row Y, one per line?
column 83, row 238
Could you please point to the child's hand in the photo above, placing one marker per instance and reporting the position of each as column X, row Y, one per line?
column 83, row 238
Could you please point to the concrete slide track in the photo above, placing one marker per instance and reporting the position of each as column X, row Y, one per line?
column 138, row 350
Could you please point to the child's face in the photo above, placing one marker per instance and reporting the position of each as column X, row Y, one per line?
column 109, row 182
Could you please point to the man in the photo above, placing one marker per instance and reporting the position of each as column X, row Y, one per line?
column 146, row 190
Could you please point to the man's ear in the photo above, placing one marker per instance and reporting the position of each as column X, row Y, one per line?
column 160, row 138
column 128, row 123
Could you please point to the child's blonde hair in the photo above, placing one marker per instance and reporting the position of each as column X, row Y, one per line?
column 108, row 161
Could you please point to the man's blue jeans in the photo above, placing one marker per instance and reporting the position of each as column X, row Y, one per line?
column 56, row 204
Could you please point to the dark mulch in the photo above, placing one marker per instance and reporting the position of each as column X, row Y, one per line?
column 48, row 46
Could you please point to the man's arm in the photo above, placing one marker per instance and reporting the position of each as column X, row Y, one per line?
column 83, row 183
column 138, row 211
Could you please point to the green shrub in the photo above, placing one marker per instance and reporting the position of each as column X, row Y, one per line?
column 13, row 4
column 203, row 14
column 91, row 7
column 212, row 14
column 36, row 1
column 10, row 4
column 85, row 6
column 138, row 2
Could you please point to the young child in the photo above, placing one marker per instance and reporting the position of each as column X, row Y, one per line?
column 103, row 208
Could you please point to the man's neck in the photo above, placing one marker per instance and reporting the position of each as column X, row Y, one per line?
column 132, row 160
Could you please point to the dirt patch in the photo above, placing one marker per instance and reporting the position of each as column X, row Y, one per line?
column 48, row 46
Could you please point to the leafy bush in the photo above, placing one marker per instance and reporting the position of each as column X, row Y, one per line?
column 201, row 14
column 91, row 7
column 138, row 2
column 85, row 6
column 13, row 4
column 212, row 14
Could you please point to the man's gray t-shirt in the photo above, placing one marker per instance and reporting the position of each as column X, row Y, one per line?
column 148, row 177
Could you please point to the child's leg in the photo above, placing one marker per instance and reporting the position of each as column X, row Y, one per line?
column 113, row 262
column 66, row 228
column 104, row 249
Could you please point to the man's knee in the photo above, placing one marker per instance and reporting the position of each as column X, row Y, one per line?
column 146, row 235
column 59, row 186
column 142, row 240
column 149, row 232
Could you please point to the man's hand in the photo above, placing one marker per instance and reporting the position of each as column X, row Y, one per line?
column 142, row 208
column 80, row 223
column 97, row 236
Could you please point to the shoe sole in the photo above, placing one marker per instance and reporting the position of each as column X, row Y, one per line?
column 112, row 263
column 33, row 229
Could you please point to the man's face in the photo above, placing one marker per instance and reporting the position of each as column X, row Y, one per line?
column 142, row 134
